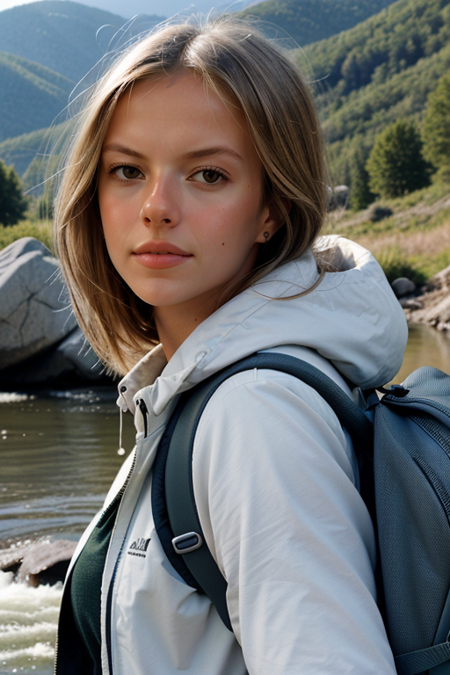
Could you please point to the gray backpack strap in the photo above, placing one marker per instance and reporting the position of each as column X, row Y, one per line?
column 188, row 539
column 422, row 660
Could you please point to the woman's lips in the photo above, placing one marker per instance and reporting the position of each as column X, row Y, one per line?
column 160, row 255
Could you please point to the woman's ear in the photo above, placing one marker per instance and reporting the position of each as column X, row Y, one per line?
column 272, row 219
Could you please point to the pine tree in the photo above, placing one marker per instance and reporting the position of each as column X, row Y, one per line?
column 396, row 164
column 360, row 193
column 13, row 204
column 436, row 129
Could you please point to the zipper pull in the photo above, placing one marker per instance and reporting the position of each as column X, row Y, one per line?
column 144, row 410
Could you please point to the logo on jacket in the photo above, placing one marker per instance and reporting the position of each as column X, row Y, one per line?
column 139, row 547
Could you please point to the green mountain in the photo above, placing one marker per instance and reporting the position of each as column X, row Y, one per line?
column 307, row 21
column 49, row 46
column 21, row 150
column 65, row 36
column 364, row 78
column 376, row 72
column 32, row 95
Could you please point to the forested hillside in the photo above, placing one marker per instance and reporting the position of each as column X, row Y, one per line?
column 65, row 36
column 365, row 78
column 32, row 95
column 29, row 153
column 376, row 72
column 307, row 21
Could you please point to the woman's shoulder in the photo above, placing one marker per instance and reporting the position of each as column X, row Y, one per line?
column 259, row 410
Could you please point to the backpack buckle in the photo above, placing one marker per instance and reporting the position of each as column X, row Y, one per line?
column 185, row 543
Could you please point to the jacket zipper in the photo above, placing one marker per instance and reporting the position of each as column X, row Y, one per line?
column 144, row 410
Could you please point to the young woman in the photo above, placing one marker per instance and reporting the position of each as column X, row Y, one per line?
column 187, row 225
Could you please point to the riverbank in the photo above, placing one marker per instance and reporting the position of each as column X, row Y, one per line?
column 413, row 241
column 430, row 303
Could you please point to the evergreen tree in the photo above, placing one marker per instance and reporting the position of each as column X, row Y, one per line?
column 436, row 129
column 396, row 164
column 13, row 204
column 360, row 193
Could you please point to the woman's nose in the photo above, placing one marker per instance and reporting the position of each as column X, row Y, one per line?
column 160, row 206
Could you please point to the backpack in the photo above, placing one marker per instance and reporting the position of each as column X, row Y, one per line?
column 402, row 443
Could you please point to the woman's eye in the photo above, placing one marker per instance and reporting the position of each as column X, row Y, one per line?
column 127, row 172
column 209, row 176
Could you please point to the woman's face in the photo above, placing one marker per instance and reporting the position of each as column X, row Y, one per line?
column 180, row 193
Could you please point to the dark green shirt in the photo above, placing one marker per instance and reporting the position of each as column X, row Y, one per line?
column 86, row 584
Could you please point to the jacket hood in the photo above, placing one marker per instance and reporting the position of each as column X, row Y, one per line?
column 352, row 318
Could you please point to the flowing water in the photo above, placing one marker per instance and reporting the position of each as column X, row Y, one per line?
column 58, row 453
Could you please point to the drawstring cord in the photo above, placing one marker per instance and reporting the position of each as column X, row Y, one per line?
column 121, row 450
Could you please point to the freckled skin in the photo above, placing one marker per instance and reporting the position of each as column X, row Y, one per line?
column 208, row 206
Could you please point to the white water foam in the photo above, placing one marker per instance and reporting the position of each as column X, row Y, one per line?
column 28, row 621
column 11, row 397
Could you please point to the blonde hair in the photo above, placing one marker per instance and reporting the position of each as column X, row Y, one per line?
column 238, row 63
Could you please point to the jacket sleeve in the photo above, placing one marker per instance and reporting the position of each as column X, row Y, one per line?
column 275, row 489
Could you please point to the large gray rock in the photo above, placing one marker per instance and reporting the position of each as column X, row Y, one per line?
column 71, row 363
column 35, row 313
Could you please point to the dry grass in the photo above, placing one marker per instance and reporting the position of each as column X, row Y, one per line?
column 423, row 243
column 413, row 242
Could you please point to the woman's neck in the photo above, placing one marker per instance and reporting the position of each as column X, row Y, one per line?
column 174, row 324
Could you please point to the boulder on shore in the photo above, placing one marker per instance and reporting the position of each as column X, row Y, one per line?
column 40, row 340
column 432, row 306
column 34, row 312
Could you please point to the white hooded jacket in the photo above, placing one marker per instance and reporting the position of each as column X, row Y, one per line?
column 275, row 482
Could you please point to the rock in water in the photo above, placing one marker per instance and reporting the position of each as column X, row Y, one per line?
column 41, row 562
column 34, row 311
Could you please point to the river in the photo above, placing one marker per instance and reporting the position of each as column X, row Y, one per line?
column 58, row 457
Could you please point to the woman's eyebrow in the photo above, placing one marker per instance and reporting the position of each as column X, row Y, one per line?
column 115, row 147
column 217, row 150
column 193, row 154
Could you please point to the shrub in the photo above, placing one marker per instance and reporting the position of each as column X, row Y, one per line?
column 396, row 264
column 41, row 231
column 378, row 213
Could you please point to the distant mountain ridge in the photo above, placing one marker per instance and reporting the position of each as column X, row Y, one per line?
column 64, row 42
column 307, row 21
column 65, row 36
column 32, row 95
column 71, row 39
